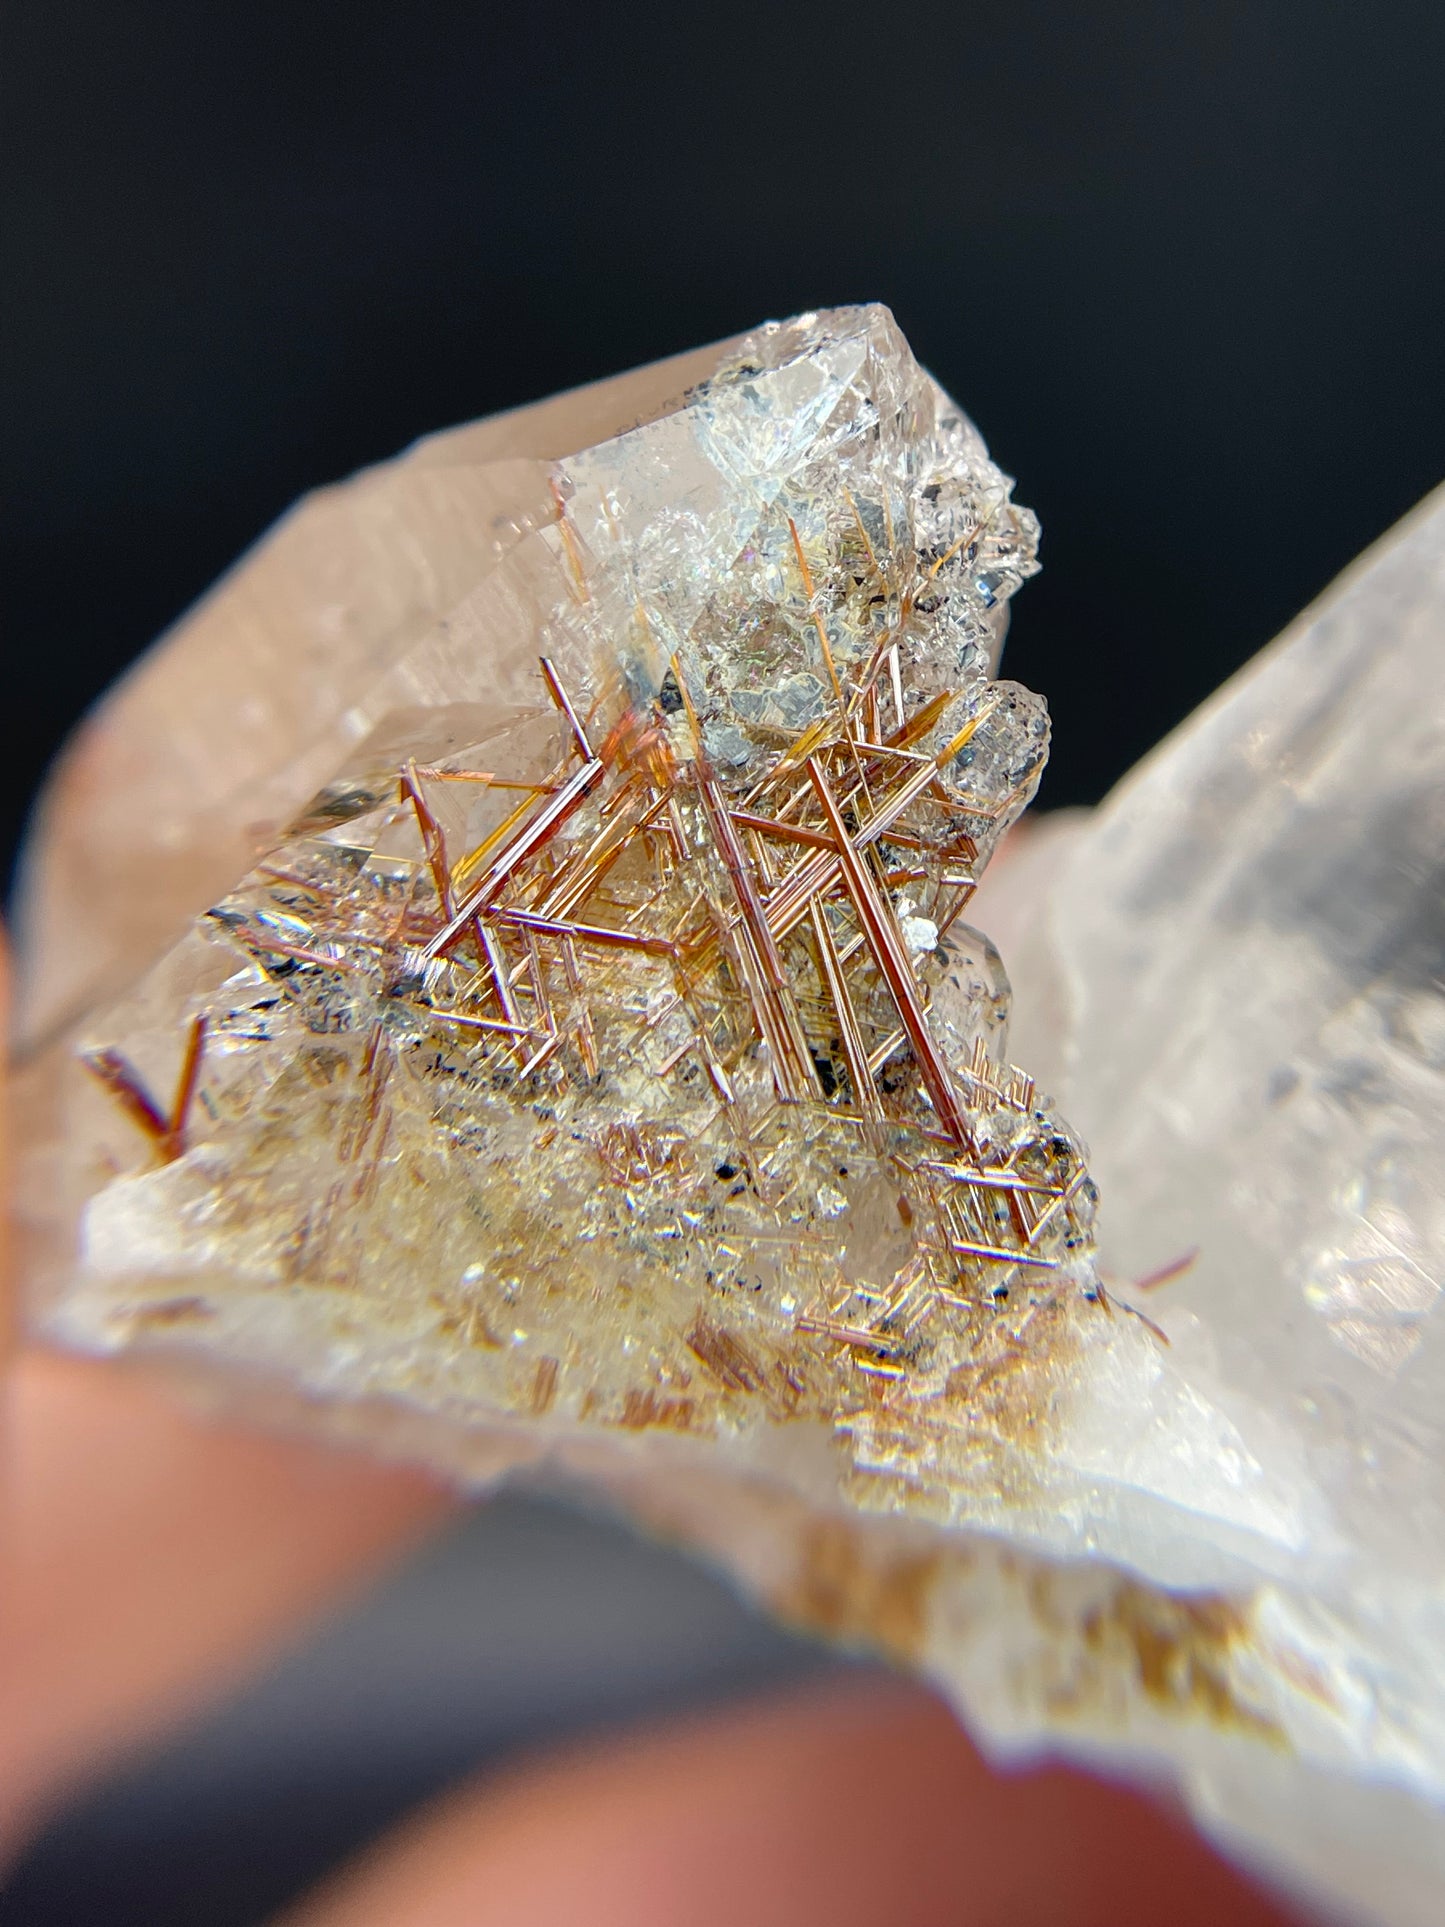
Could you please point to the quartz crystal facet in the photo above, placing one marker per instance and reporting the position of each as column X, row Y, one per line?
column 583, row 1050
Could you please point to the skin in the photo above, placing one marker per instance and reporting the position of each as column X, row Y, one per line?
column 152, row 1559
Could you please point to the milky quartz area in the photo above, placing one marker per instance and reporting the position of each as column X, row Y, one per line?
column 1219, row 1558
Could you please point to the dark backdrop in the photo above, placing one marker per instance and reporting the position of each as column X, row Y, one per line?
column 1182, row 261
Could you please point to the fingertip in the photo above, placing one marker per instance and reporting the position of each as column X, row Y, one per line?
column 153, row 1555
column 856, row 1803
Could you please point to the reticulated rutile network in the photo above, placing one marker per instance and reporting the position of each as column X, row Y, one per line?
column 648, row 956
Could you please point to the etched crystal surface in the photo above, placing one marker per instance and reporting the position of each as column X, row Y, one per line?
column 639, row 966
column 583, row 1052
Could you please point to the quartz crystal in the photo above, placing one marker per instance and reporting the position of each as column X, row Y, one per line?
column 505, row 980
column 1234, row 978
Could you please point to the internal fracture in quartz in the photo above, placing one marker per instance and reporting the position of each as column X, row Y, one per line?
column 624, row 1055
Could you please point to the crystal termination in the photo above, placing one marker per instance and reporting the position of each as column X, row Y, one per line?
column 668, row 972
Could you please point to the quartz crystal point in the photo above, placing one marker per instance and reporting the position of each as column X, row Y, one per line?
column 582, row 1054
column 1233, row 975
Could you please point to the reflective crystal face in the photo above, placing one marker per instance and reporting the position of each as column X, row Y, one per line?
column 619, row 1054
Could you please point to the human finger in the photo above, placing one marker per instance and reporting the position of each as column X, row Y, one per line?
column 832, row 1808
column 153, row 1556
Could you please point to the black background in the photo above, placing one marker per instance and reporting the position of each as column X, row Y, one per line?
column 1182, row 262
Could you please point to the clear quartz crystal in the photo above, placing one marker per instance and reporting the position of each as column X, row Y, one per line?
column 1234, row 977
column 969, row 993
column 586, row 1063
